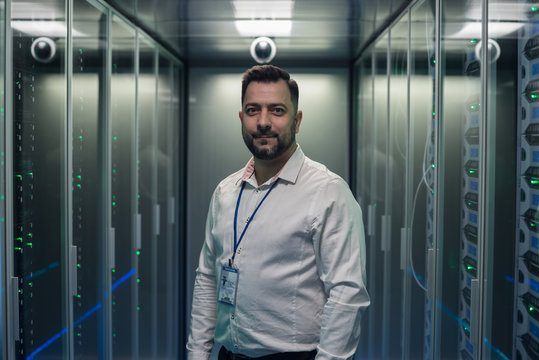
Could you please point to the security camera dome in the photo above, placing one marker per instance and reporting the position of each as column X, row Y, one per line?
column 263, row 50
column 43, row 49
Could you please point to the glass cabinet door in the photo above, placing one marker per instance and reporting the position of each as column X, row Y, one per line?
column 420, row 182
column 397, row 149
column 165, row 202
column 37, row 235
column 122, row 241
column 89, row 104
column 458, row 165
column 147, row 197
column 381, row 296
column 364, row 184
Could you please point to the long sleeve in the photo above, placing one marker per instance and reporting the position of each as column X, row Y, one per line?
column 339, row 241
column 204, row 308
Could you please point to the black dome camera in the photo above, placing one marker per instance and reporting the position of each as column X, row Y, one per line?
column 263, row 50
column 43, row 49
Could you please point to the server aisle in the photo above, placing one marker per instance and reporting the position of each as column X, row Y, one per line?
column 90, row 231
column 467, row 247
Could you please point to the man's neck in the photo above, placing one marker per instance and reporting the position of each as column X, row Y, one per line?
column 266, row 169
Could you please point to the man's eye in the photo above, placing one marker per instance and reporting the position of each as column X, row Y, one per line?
column 278, row 111
column 250, row 111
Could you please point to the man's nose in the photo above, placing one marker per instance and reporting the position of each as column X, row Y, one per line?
column 264, row 120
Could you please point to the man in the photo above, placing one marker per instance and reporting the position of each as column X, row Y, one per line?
column 282, row 270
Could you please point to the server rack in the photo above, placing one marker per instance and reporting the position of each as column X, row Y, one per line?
column 526, row 316
column 77, row 210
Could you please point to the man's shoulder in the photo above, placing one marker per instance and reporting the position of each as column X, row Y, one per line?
column 315, row 169
column 231, row 180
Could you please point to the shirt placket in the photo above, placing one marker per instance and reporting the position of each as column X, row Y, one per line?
column 250, row 200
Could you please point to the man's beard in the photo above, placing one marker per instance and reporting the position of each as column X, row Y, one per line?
column 283, row 144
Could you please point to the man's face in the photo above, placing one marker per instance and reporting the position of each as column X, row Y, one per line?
column 269, row 120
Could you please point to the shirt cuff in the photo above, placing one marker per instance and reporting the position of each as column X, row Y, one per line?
column 198, row 355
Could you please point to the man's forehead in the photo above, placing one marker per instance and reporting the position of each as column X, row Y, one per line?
column 279, row 88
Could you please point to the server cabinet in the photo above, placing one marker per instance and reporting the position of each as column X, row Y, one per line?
column 123, row 192
column 420, row 181
column 397, row 150
column 364, row 75
column 147, row 170
column 87, row 205
column 89, row 104
column 165, row 207
column 37, row 182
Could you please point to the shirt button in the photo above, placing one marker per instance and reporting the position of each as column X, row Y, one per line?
column 236, row 346
column 233, row 316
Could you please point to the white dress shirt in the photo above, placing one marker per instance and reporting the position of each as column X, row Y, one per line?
column 301, row 264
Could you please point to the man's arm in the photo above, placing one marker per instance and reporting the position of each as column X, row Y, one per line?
column 339, row 242
column 204, row 307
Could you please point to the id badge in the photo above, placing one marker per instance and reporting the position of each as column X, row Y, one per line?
column 228, row 285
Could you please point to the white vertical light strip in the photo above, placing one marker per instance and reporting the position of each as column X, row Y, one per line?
column 135, row 225
column 483, row 233
column 12, row 306
column 71, row 269
column 107, row 331
column 434, row 276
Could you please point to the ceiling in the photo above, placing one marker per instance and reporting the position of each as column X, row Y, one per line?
column 220, row 32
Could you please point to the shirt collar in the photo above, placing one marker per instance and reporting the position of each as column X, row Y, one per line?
column 289, row 172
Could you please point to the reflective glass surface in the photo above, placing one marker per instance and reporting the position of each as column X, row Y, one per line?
column 420, row 181
column 147, row 271
column 89, row 105
column 123, row 200
column 38, row 240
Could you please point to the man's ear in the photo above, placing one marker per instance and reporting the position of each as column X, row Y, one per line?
column 240, row 115
column 299, row 116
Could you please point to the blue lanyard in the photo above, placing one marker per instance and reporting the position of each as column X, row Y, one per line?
column 236, row 241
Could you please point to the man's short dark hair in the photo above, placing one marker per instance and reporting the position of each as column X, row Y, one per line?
column 266, row 74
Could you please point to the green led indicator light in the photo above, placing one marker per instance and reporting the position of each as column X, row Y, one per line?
column 138, row 196
column 114, row 203
column 533, row 96
column 138, row 252
column 532, row 224
column 114, row 171
column 2, row 109
column 2, row 197
column 374, row 204
column 432, row 192
column 472, row 171
column 80, row 137
column 433, row 166
column 29, row 284
column 114, row 303
column 473, row 107
column 19, row 239
column 78, row 265
column 534, row 181
column 115, row 138
column 138, row 308
column 29, row 244
column 534, row 8
column 18, row 248
column 19, row 176
column 78, row 334
column 79, row 177
column 113, row 270
column 531, row 308
column 2, row 219
column 79, row 186
column 473, row 41
column 114, row 335
column 138, row 280
column 79, row 296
